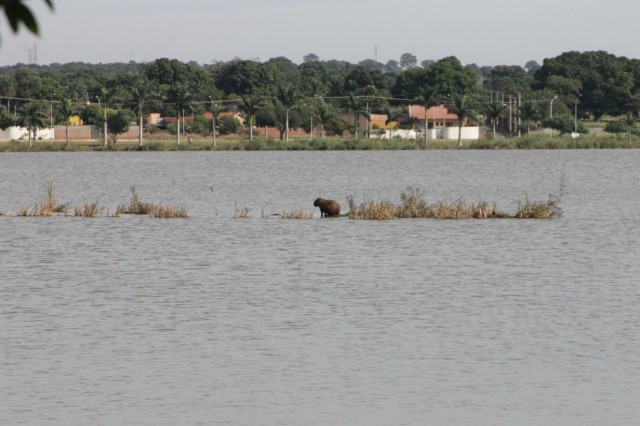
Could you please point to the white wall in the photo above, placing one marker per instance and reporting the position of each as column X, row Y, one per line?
column 14, row 133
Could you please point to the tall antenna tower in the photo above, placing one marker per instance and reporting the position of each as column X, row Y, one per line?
column 33, row 54
column 375, row 52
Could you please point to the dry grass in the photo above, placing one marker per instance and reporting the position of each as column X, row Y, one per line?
column 89, row 210
column 241, row 213
column 413, row 205
column 296, row 214
column 170, row 212
column 136, row 205
column 539, row 209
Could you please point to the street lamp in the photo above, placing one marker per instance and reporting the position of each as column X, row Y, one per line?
column 575, row 119
column 213, row 121
column 104, row 127
column 551, row 114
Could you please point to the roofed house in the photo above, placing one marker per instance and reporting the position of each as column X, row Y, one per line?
column 441, row 123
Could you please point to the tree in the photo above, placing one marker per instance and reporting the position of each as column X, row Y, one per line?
column 563, row 123
column 250, row 107
column 228, row 125
column 144, row 95
column 619, row 127
column 118, row 123
column 17, row 13
column 451, row 77
column 6, row 118
column 216, row 109
column 392, row 115
column 357, row 108
column 311, row 57
column 32, row 118
column 529, row 111
column 288, row 96
column 463, row 109
column 407, row 60
column 67, row 110
column 429, row 96
column 602, row 79
column 325, row 115
column 494, row 110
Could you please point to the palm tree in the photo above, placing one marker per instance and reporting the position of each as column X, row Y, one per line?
column 216, row 109
column 463, row 109
column 67, row 110
column 251, row 105
column 183, row 99
column 357, row 108
column 529, row 111
column 324, row 114
column 494, row 110
column 32, row 118
column 288, row 97
column 428, row 97
column 392, row 115
column 143, row 96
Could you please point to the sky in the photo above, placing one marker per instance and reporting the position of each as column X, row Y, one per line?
column 489, row 32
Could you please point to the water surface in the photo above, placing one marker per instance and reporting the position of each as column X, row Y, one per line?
column 216, row 320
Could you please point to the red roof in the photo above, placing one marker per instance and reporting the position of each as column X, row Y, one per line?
column 437, row 112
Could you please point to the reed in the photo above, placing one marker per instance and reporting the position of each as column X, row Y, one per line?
column 296, row 214
column 539, row 209
column 374, row 210
column 136, row 205
column 89, row 210
column 241, row 213
column 170, row 212
column 413, row 205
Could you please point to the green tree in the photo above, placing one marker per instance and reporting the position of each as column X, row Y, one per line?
column 118, row 122
column 32, row 117
column 463, row 108
column 216, row 108
column 289, row 97
column 407, row 60
column 144, row 96
column 228, row 125
column 6, row 118
column 428, row 97
column 357, row 108
column 451, row 77
column 324, row 114
column 392, row 115
column 17, row 13
column 563, row 123
column 626, row 125
column 530, row 112
column 250, row 106
column 67, row 109
column 602, row 79
column 494, row 110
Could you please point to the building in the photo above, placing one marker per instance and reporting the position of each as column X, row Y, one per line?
column 441, row 124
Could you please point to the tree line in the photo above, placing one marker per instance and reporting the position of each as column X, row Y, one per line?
column 281, row 94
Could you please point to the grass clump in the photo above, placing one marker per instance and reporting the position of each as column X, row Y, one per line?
column 296, row 214
column 414, row 205
column 539, row 209
column 89, row 210
column 170, row 212
column 241, row 213
column 136, row 205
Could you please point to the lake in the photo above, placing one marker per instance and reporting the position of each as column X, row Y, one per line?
column 214, row 320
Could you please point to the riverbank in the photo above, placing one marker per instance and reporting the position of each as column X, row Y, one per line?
column 327, row 144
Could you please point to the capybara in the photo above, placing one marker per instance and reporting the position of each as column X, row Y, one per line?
column 327, row 207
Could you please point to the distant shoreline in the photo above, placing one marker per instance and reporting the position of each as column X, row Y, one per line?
column 327, row 144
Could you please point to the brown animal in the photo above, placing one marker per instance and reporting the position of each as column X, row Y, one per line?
column 327, row 207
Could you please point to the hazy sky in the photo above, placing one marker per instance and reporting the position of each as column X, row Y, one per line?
column 489, row 32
